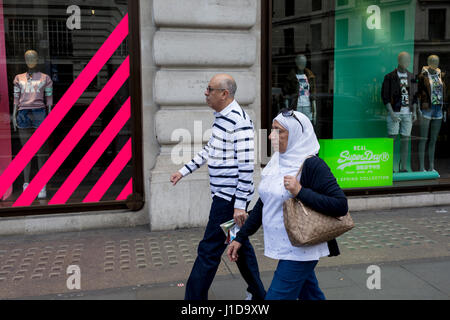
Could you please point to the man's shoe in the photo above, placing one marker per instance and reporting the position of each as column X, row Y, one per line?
column 249, row 296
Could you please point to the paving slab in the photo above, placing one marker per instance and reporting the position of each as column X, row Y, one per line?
column 435, row 273
column 396, row 283
column 32, row 266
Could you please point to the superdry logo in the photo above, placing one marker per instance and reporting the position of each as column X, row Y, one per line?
column 368, row 157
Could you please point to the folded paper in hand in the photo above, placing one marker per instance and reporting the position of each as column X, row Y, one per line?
column 230, row 229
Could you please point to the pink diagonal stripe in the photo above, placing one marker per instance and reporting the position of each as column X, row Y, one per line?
column 75, row 135
column 92, row 156
column 64, row 105
column 111, row 174
column 126, row 191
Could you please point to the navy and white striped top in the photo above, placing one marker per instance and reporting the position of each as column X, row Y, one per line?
column 230, row 154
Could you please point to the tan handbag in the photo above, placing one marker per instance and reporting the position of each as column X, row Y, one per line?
column 306, row 227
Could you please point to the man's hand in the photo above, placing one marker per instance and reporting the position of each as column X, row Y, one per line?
column 392, row 114
column 414, row 117
column 233, row 248
column 395, row 117
column 239, row 217
column 174, row 178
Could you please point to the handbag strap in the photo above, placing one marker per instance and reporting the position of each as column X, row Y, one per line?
column 301, row 167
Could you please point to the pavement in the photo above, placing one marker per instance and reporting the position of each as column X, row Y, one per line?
column 411, row 247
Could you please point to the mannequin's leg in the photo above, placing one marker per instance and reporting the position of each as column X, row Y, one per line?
column 25, row 135
column 395, row 144
column 42, row 155
column 393, row 130
column 404, row 152
column 424, row 128
column 434, row 134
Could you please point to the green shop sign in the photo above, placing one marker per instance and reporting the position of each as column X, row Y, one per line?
column 359, row 163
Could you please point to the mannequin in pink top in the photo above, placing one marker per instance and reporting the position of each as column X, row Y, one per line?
column 33, row 94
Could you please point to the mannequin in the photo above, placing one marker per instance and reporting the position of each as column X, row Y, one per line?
column 432, row 95
column 300, row 89
column 33, row 92
column 399, row 97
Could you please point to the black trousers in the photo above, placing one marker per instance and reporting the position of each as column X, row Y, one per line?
column 210, row 251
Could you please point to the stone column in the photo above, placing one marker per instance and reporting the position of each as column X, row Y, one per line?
column 192, row 41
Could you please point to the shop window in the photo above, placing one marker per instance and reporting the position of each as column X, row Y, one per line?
column 65, row 80
column 437, row 24
column 376, row 95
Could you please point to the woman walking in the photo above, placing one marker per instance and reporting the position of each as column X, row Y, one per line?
column 294, row 140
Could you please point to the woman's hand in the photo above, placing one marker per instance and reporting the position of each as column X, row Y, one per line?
column 233, row 248
column 292, row 185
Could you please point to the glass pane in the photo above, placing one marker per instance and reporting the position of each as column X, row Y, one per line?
column 65, row 106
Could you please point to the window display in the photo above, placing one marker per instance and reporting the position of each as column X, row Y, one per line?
column 380, row 72
column 300, row 88
column 65, row 103
column 33, row 99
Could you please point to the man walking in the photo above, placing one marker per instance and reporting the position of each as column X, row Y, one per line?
column 230, row 157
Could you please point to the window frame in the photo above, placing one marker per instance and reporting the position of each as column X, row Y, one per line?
column 266, row 111
column 135, row 201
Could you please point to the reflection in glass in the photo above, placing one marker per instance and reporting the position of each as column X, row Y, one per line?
column 353, row 53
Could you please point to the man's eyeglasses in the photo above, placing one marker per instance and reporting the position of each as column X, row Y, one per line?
column 290, row 113
column 209, row 89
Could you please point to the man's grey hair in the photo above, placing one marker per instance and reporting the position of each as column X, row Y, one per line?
column 231, row 86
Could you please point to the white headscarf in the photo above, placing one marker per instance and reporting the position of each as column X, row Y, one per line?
column 301, row 145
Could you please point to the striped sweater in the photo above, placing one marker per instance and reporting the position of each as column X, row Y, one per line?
column 230, row 156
